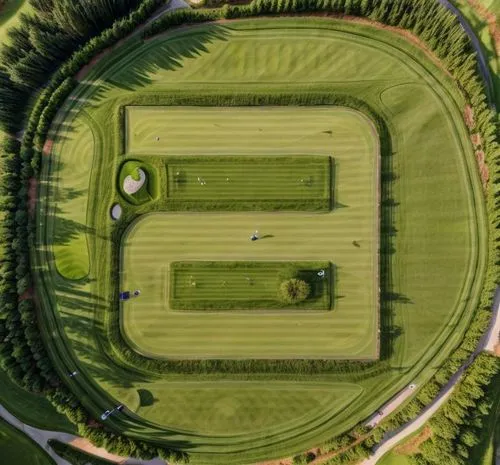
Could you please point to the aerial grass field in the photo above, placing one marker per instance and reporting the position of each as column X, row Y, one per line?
column 432, row 234
column 17, row 448
column 349, row 331
column 246, row 285
column 245, row 178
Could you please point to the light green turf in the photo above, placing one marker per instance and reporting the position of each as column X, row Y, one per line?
column 438, row 235
column 72, row 156
column 241, row 178
column 349, row 331
column 238, row 408
column 394, row 459
column 239, row 130
column 16, row 448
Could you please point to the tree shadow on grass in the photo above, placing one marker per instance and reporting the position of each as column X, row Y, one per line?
column 389, row 297
column 168, row 55
column 146, row 397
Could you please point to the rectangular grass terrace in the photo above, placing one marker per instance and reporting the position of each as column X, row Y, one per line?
column 218, row 286
column 347, row 236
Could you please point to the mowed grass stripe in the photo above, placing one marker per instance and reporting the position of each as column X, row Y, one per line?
column 255, row 130
column 73, row 155
column 256, row 178
column 248, row 285
column 349, row 330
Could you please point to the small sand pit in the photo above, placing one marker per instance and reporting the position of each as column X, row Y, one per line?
column 116, row 211
column 131, row 186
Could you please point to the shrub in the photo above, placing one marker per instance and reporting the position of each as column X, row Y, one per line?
column 294, row 291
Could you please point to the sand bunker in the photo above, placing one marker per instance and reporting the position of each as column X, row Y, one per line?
column 116, row 211
column 131, row 186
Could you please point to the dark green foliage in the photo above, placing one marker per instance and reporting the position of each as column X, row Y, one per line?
column 49, row 36
column 457, row 424
column 75, row 456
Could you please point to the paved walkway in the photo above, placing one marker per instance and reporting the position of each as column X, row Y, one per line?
column 392, row 405
column 489, row 339
column 42, row 437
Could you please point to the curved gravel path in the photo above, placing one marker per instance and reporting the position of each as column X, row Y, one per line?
column 42, row 437
column 483, row 62
column 488, row 342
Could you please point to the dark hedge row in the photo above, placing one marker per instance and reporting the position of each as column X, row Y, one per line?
column 351, row 368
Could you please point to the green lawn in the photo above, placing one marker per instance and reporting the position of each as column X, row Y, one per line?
column 16, row 448
column 437, row 233
column 347, row 332
column 73, row 160
column 243, row 130
column 30, row 408
column 394, row 459
column 245, row 285
column 246, row 178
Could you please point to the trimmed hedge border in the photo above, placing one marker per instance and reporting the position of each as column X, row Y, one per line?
column 115, row 343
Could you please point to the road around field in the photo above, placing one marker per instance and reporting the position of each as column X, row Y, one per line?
column 483, row 62
column 488, row 342
column 390, row 406
column 41, row 437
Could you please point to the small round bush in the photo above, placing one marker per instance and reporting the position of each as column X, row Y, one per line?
column 293, row 291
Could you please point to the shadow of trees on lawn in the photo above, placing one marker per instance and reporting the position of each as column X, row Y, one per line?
column 168, row 56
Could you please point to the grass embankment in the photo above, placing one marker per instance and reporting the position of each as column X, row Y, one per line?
column 30, row 408
column 245, row 285
column 436, row 229
column 17, row 448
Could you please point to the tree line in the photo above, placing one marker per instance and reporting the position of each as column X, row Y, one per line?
column 46, row 38
column 22, row 352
